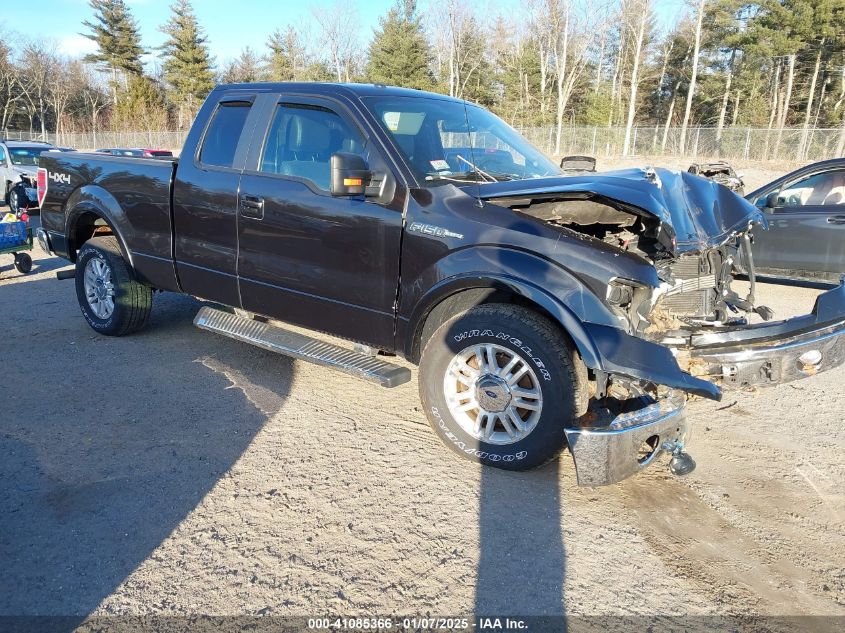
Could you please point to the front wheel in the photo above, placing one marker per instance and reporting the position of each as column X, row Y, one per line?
column 14, row 201
column 499, row 383
column 113, row 302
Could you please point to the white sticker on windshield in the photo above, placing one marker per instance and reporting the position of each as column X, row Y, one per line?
column 391, row 120
column 439, row 165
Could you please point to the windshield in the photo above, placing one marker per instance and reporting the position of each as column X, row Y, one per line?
column 447, row 141
column 26, row 156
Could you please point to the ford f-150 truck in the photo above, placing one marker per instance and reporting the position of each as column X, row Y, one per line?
column 543, row 310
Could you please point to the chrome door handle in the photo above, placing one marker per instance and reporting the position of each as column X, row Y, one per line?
column 252, row 206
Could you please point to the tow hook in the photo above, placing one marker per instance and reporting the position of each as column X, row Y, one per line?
column 681, row 462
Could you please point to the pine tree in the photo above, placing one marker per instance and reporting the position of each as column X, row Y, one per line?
column 186, row 61
column 399, row 52
column 287, row 60
column 245, row 69
column 141, row 106
column 115, row 32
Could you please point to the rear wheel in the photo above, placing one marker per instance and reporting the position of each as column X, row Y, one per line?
column 113, row 302
column 499, row 383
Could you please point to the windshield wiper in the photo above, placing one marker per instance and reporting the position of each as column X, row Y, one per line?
column 469, row 176
column 476, row 169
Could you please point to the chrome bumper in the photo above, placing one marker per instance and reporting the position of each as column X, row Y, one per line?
column 778, row 352
column 612, row 452
column 778, row 362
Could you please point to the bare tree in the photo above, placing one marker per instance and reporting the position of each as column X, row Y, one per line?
column 643, row 12
column 337, row 37
column 568, row 48
column 694, row 76
column 38, row 70
column 66, row 82
column 10, row 93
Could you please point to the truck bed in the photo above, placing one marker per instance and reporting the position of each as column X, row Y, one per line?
column 134, row 192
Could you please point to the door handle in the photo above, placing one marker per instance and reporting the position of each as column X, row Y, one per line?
column 836, row 219
column 252, row 206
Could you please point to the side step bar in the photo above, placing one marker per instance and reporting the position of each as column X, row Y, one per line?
column 296, row 345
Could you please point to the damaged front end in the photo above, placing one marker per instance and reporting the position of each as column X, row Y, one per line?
column 688, row 331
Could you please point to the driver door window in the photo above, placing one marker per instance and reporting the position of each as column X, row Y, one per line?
column 819, row 190
column 302, row 139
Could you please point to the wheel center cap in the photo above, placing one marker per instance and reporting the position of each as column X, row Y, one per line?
column 492, row 393
column 101, row 289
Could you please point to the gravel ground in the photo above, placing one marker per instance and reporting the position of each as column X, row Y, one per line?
column 176, row 472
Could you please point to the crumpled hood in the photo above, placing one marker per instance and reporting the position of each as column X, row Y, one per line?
column 698, row 214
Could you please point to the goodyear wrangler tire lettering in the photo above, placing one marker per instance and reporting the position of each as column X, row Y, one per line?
column 505, row 333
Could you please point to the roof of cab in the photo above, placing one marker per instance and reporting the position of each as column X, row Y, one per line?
column 349, row 89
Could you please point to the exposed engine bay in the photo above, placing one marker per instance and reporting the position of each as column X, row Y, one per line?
column 696, row 286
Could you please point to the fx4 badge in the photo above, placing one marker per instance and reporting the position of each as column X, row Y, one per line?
column 58, row 178
column 436, row 231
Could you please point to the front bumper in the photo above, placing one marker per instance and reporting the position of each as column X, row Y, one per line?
column 775, row 353
column 612, row 452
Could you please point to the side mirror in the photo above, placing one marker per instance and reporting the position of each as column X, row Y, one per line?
column 773, row 199
column 350, row 174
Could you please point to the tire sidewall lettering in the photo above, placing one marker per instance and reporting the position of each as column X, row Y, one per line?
column 512, row 340
column 469, row 450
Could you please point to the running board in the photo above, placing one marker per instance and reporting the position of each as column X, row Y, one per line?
column 303, row 347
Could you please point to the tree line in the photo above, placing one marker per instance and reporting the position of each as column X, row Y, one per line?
column 771, row 64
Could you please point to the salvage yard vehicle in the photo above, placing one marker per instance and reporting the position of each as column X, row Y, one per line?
column 138, row 152
column 18, row 164
column 720, row 172
column 806, row 223
column 542, row 310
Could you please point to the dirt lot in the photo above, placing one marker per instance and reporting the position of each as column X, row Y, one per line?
column 175, row 472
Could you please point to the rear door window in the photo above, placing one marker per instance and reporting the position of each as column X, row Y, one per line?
column 223, row 133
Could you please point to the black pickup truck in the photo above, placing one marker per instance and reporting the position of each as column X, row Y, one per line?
column 542, row 310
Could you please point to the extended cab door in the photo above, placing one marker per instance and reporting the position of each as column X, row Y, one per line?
column 205, row 198
column 306, row 257
column 806, row 224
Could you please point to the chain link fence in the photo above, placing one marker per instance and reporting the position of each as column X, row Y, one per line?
column 761, row 144
column 756, row 144
column 171, row 140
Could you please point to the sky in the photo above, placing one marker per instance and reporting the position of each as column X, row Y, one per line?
column 230, row 25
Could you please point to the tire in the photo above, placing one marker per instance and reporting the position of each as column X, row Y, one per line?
column 14, row 201
column 555, row 376
column 23, row 263
column 131, row 301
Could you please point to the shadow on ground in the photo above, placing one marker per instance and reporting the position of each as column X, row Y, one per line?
column 106, row 445
column 522, row 560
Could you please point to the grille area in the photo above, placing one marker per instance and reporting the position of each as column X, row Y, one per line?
column 696, row 278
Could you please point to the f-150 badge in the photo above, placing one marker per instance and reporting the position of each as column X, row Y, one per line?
column 436, row 231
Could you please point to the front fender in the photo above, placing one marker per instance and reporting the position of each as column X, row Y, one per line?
column 594, row 329
column 537, row 279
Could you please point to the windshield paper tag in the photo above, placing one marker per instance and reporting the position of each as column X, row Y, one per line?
column 439, row 165
column 391, row 120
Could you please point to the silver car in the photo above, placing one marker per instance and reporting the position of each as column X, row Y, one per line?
column 19, row 161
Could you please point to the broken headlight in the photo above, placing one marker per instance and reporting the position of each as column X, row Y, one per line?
column 630, row 301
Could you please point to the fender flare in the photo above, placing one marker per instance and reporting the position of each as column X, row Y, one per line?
column 562, row 314
column 95, row 199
